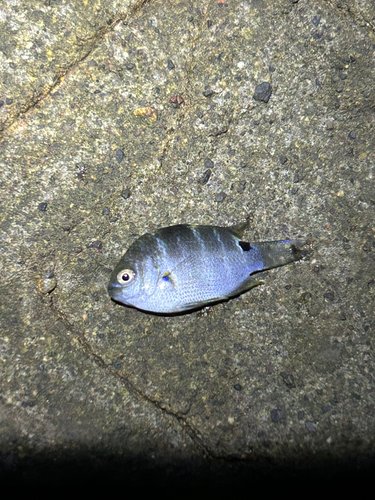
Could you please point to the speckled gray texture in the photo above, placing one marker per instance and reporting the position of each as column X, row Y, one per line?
column 110, row 121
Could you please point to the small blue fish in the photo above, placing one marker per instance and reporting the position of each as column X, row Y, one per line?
column 184, row 267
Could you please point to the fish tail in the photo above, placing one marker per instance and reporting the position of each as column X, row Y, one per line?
column 279, row 253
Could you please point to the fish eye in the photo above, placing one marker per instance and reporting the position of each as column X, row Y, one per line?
column 125, row 276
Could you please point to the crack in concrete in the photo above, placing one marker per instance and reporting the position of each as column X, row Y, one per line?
column 133, row 389
column 60, row 73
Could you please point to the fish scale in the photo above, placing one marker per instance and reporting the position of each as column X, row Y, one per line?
column 184, row 267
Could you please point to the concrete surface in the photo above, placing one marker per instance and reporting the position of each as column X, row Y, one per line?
column 121, row 118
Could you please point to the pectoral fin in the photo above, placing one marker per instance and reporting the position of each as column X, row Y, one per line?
column 185, row 268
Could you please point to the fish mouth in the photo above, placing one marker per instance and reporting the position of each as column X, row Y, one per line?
column 113, row 290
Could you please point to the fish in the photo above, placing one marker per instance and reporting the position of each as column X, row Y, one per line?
column 179, row 268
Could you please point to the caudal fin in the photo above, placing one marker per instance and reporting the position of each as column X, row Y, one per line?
column 279, row 253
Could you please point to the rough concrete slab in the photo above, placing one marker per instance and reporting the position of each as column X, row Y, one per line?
column 152, row 122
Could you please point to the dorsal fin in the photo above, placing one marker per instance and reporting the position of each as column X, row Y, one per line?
column 239, row 229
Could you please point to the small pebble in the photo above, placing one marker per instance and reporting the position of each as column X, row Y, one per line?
column 283, row 159
column 170, row 64
column 241, row 187
column 288, row 379
column 205, row 177
column 277, row 415
column 96, row 244
column 310, row 427
column 306, row 296
column 316, row 20
column 262, row 92
column 47, row 285
column 176, row 100
column 129, row 65
column 208, row 163
column 81, row 171
column 352, row 134
column 237, row 387
column 42, row 207
column 329, row 296
column 208, row 93
column 126, row 194
column 221, row 196
column 119, row 155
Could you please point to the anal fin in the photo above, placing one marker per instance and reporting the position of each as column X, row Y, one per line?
column 245, row 286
